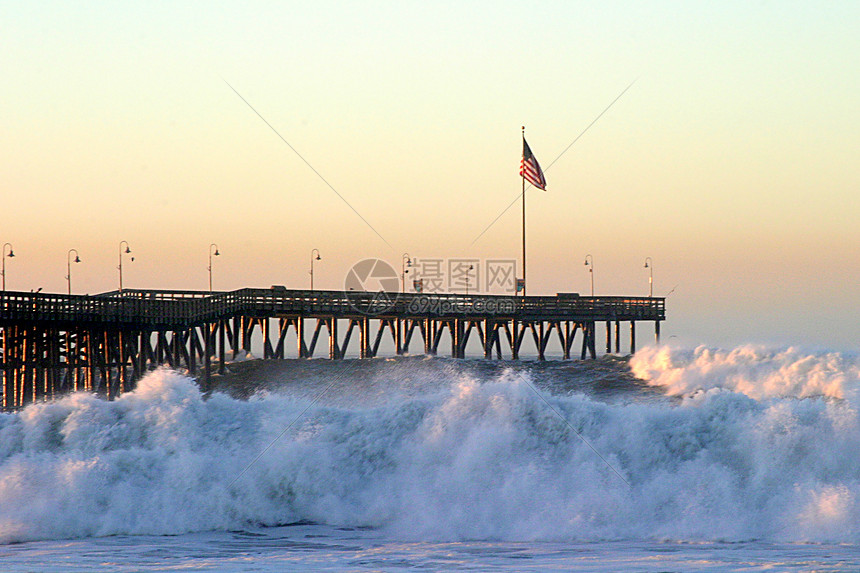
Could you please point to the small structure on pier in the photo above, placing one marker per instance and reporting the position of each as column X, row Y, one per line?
column 55, row 343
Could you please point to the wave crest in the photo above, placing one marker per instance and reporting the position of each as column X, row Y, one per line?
column 756, row 371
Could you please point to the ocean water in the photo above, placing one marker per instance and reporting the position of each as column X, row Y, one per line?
column 674, row 460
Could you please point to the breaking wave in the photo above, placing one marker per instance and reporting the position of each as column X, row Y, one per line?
column 756, row 371
column 752, row 448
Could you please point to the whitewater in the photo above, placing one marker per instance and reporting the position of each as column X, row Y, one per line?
column 674, row 459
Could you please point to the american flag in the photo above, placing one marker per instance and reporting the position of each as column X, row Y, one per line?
column 530, row 168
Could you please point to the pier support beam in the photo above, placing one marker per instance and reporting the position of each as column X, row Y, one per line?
column 632, row 337
column 207, row 358
column 300, row 337
column 608, row 337
column 221, row 346
column 364, row 331
column 333, row 352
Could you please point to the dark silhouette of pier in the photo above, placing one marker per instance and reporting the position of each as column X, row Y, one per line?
column 58, row 343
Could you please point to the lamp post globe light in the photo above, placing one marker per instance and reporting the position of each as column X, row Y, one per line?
column 405, row 261
column 69, row 266
column 3, row 268
column 315, row 256
column 589, row 262
column 211, row 254
column 121, row 253
column 649, row 264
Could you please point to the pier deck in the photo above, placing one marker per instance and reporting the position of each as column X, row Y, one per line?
column 56, row 343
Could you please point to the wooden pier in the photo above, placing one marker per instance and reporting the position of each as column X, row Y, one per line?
column 52, row 344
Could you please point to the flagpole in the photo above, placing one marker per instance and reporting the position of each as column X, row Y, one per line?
column 523, row 177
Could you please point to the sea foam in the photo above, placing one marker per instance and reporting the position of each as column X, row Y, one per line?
column 466, row 458
column 757, row 371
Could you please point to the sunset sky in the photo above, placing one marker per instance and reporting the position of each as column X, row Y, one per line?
column 732, row 160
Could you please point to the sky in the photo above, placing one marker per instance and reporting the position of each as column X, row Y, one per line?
column 731, row 160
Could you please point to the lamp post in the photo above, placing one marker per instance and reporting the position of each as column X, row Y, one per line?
column 468, row 275
column 121, row 253
column 405, row 261
column 649, row 264
column 317, row 258
column 69, row 266
column 211, row 254
column 10, row 255
column 589, row 262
